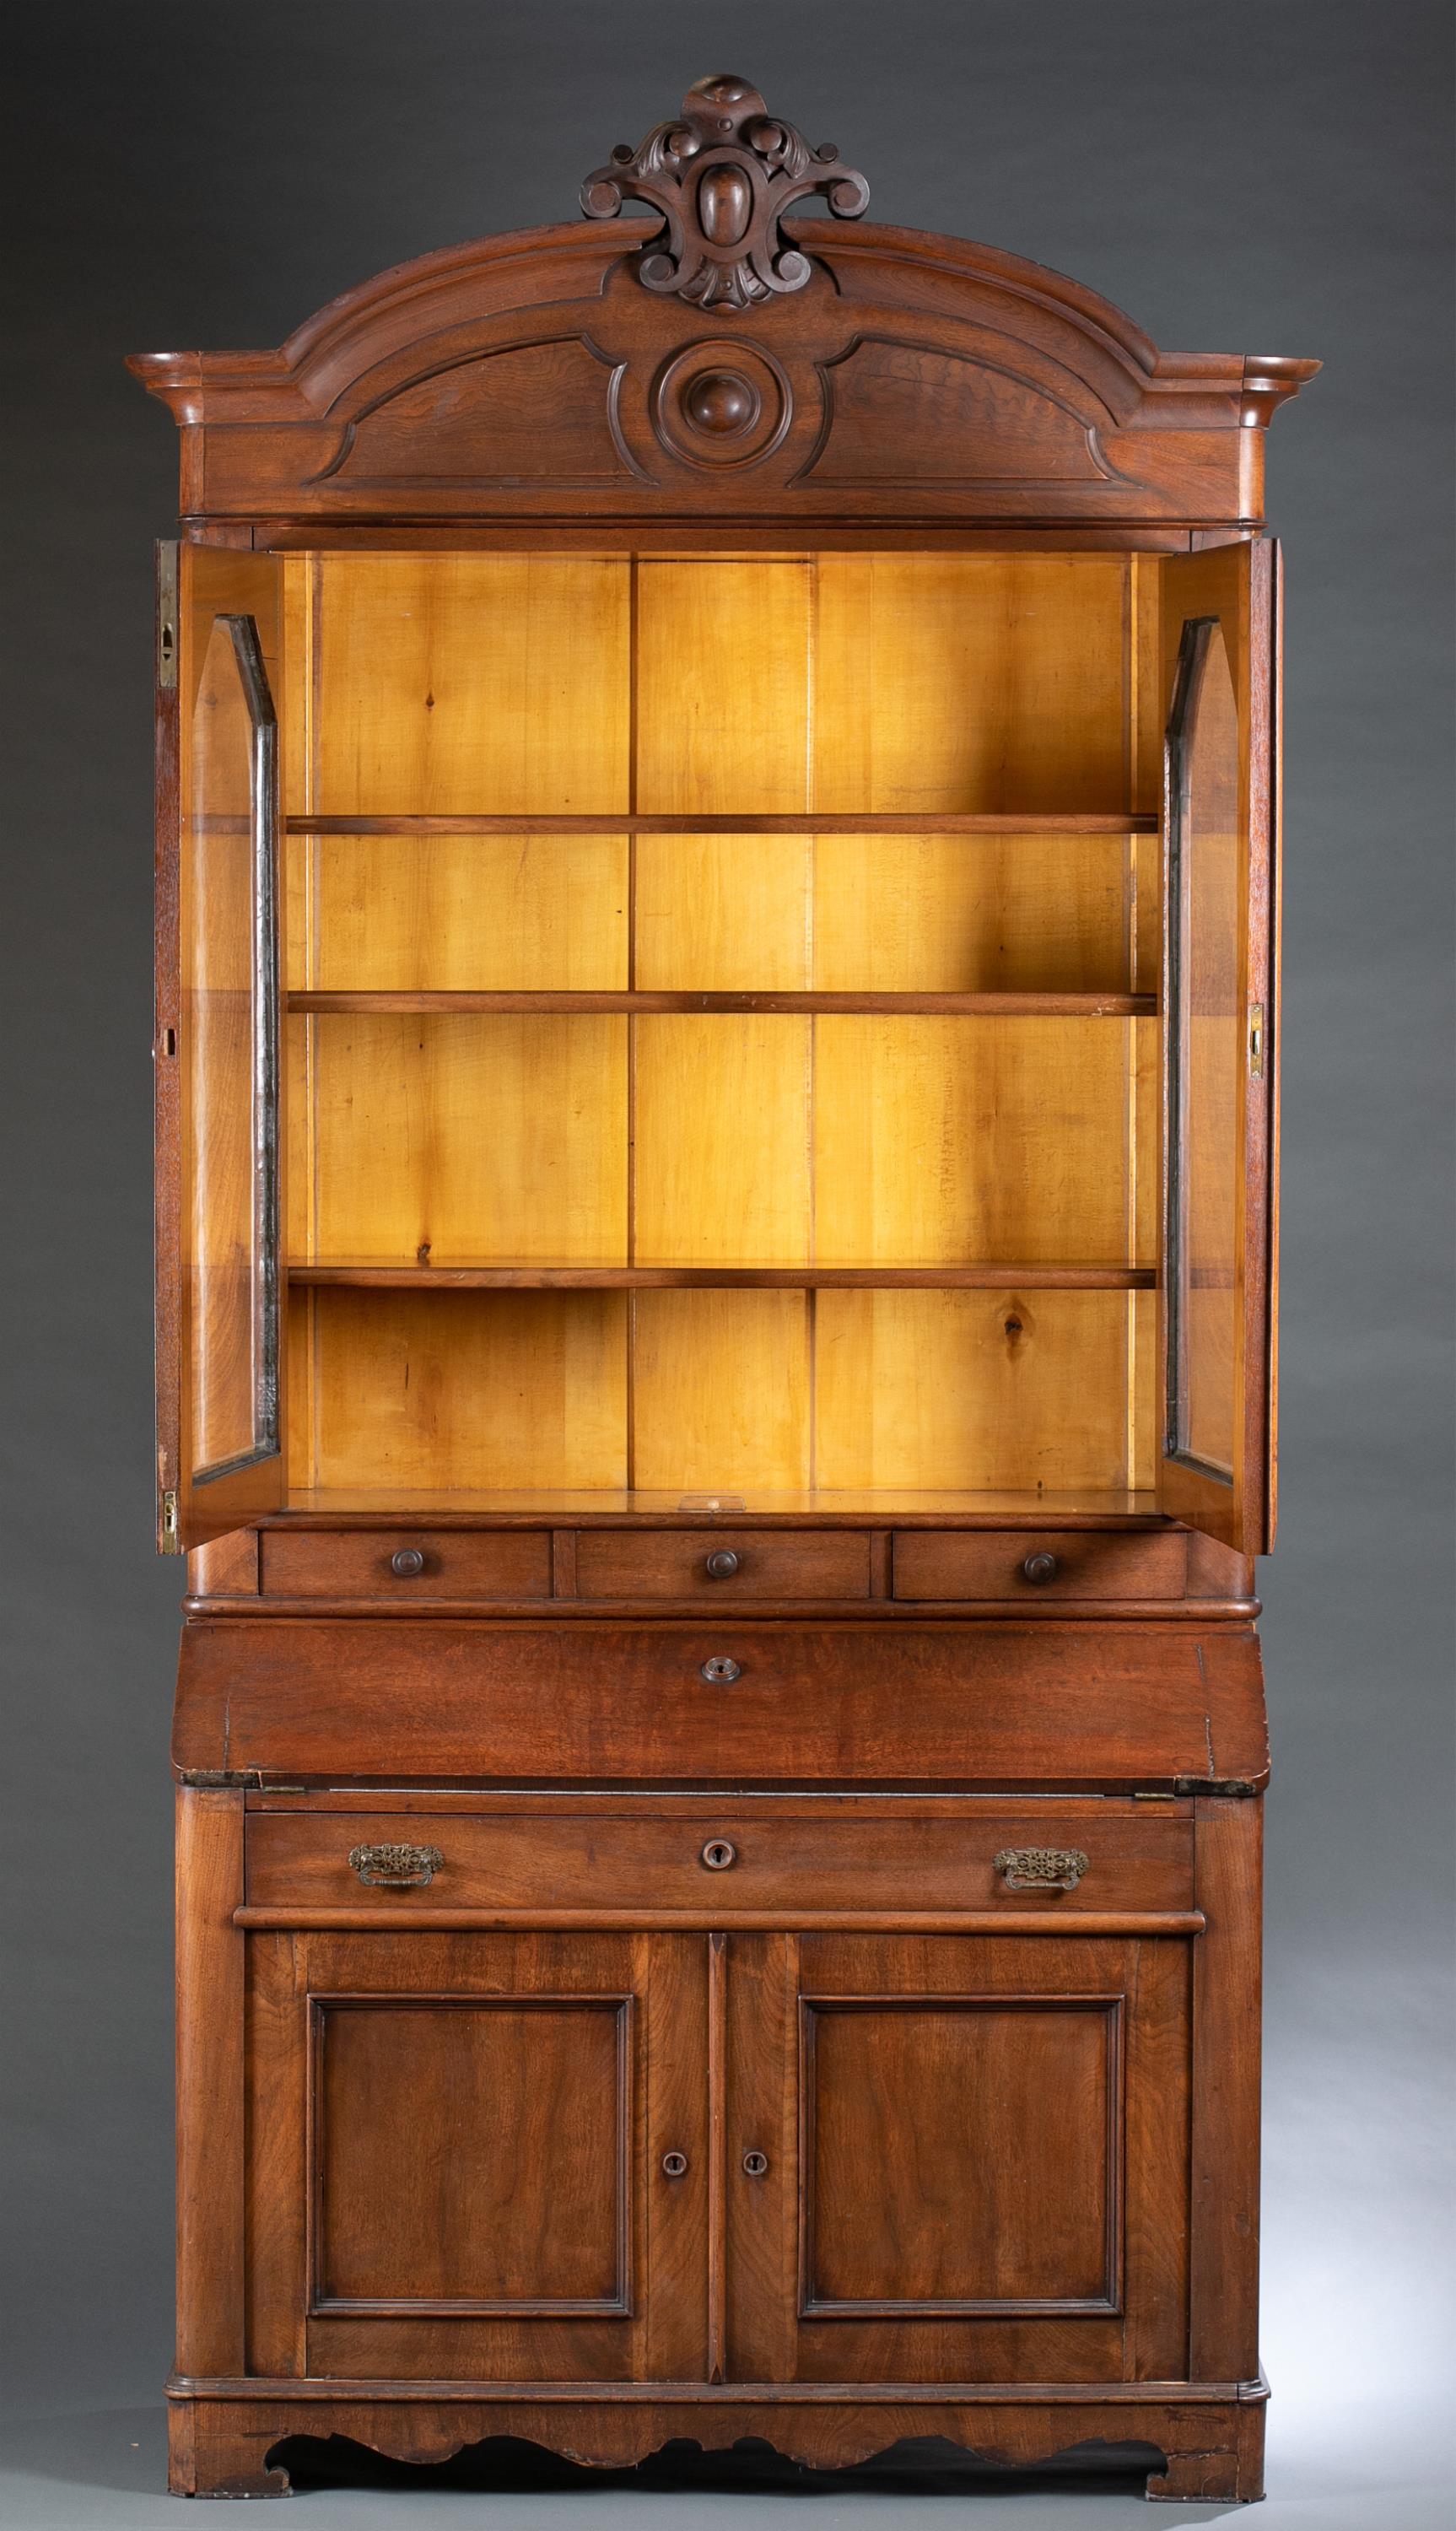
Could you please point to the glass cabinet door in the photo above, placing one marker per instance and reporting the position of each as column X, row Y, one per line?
column 1221, row 800
column 220, row 1267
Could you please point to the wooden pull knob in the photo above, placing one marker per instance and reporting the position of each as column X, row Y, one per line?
column 1040, row 1568
column 407, row 1561
column 721, row 1564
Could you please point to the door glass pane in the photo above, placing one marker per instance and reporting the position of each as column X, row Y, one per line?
column 231, row 1020
column 1206, row 1043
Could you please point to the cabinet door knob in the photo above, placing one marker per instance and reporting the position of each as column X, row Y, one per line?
column 756, row 2164
column 1040, row 1569
column 721, row 1565
column 721, row 1670
column 407, row 1561
column 396, row 1867
column 718, row 1855
column 1040, row 1867
column 674, row 2164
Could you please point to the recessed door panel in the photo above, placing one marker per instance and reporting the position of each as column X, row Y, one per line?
column 960, row 2154
column 474, row 2155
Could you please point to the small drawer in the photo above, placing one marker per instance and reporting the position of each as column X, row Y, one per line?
column 407, row 1564
column 721, row 1565
column 726, row 1859
column 1054, row 1564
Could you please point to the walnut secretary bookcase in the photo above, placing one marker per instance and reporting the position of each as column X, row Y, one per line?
column 716, row 1117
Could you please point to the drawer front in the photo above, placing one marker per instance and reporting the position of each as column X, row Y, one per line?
column 1022, row 1564
column 408, row 1564
column 727, row 1859
column 1070, row 1707
column 723, row 1566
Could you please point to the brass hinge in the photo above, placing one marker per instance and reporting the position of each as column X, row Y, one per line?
column 1256, row 1040
column 168, row 1542
column 167, row 613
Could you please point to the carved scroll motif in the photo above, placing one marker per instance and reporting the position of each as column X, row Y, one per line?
column 722, row 174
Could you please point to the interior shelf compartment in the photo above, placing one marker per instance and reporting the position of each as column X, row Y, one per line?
column 721, row 1391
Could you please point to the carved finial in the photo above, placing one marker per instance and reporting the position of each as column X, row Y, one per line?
column 722, row 174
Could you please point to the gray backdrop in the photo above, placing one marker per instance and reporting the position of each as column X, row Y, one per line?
column 1261, row 175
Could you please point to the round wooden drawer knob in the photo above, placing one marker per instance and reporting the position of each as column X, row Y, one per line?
column 1040, row 1569
column 721, row 1565
column 407, row 1561
column 718, row 1855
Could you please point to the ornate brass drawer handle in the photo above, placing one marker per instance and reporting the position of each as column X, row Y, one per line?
column 1040, row 1867
column 396, row 1867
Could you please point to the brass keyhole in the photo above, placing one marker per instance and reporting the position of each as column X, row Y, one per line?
column 674, row 2164
column 756, row 2164
column 719, row 1854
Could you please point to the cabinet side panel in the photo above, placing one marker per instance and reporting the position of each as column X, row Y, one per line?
column 209, row 2084
column 1227, row 1999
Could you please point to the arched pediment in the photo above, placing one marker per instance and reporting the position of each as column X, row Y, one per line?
column 611, row 369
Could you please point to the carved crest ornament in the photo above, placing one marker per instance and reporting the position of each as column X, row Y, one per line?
column 722, row 174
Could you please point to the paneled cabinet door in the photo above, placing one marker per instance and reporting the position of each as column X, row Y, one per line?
column 220, row 1386
column 1219, row 615
column 957, row 2158
column 465, row 2155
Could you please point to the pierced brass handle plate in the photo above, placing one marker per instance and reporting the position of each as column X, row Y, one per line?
column 396, row 1867
column 1040, row 1867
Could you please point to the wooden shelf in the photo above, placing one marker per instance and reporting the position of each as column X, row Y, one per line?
column 985, row 1005
column 945, row 821
column 991, row 1278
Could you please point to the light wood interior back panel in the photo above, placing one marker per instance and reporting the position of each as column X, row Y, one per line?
column 720, row 1156
column 464, row 913
column 470, row 1137
column 723, row 687
column 455, row 682
column 939, row 1140
column 464, row 1390
column 976, row 1389
column 721, row 1391
column 989, row 681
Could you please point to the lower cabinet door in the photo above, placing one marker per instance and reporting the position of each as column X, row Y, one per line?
column 957, row 2158
column 477, row 2156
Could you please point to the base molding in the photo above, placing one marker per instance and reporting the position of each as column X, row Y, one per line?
column 1210, row 2436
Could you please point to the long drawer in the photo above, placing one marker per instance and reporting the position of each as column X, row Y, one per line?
column 1068, row 1705
column 731, row 1858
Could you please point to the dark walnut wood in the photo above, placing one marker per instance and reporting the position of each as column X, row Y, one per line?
column 656, row 1965
column 722, row 174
